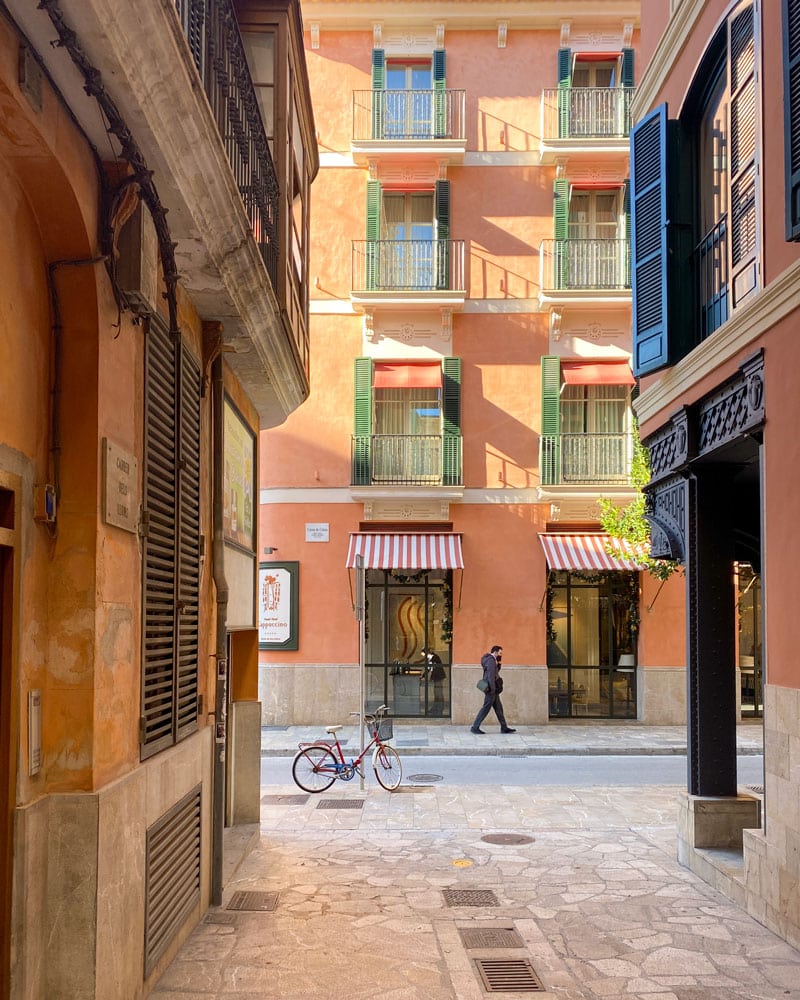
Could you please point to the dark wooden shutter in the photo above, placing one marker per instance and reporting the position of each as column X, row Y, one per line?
column 442, row 212
column 373, row 234
column 451, row 422
column 362, row 423
column 188, row 547
column 439, row 95
column 791, row 112
column 564, row 91
column 160, row 541
column 551, row 421
column 743, row 178
column 378, row 97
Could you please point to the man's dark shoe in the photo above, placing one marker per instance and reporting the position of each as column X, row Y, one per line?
column 508, row 729
column 478, row 732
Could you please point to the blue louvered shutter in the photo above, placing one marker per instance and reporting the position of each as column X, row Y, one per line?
column 362, row 423
column 649, row 180
column 378, row 92
column 564, row 91
column 791, row 111
column 451, row 422
column 439, row 95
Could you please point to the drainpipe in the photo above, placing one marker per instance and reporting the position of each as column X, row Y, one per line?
column 221, row 650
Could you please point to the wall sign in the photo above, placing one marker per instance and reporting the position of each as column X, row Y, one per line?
column 238, row 514
column 278, row 605
column 120, row 487
column 318, row 532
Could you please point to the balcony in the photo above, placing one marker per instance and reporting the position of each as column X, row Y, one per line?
column 574, row 270
column 409, row 123
column 406, row 460
column 408, row 273
column 587, row 120
column 585, row 459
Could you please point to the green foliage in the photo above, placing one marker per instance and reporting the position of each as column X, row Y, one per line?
column 629, row 522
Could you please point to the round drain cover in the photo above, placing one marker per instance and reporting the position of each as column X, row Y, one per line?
column 424, row 777
column 507, row 838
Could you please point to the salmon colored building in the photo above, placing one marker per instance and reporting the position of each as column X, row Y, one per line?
column 471, row 397
column 716, row 271
column 153, row 319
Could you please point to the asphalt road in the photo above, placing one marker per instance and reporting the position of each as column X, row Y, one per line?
column 580, row 771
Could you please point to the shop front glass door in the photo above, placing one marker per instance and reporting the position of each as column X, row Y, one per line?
column 407, row 651
column 750, row 641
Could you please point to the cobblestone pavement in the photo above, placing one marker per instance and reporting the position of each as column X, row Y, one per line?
column 583, row 885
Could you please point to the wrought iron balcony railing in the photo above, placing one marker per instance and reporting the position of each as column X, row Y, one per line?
column 567, row 265
column 212, row 33
column 587, row 112
column 408, row 265
column 406, row 460
column 710, row 264
column 408, row 115
column 585, row 459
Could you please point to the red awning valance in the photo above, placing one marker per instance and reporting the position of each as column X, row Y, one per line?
column 589, row 552
column 402, row 376
column 597, row 373
column 596, row 56
column 406, row 551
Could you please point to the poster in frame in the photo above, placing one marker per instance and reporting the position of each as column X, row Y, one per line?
column 238, row 509
column 278, row 588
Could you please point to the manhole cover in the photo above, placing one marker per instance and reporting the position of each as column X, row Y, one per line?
column 507, row 838
column 508, row 975
column 341, row 804
column 257, row 901
column 490, row 937
column 470, row 897
column 425, row 777
column 284, row 800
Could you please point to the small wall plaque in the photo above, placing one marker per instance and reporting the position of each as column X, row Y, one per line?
column 318, row 532
column 34, row 732
column 120, row 487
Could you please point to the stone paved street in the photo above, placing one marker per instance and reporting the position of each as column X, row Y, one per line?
column 600, row 906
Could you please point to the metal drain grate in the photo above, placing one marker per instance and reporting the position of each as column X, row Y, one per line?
column 413, row 743
column 507, row 838
column 508, row 975
column 758, row 789
column 470, row 897
column 341, row 804
column 219, row 917
column 260, row 902
column 490, row 937
column 284, row 800
column 425, row 777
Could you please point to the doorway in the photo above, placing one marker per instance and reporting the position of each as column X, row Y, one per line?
column 750, row 660
column 7, row 744
column 408, row 642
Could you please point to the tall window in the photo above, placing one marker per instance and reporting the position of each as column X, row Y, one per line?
column 171, row 556
column 407, row 220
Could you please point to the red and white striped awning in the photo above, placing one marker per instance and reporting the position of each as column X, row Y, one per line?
column 406, row 551
column 589, row 552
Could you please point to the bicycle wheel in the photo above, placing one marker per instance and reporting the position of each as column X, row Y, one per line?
column 388, row 767
column 314, row 769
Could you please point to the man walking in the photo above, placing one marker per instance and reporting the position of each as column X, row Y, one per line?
column 491, row 663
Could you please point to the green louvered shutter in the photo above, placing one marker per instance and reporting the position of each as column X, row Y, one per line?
column 451, row 422
column 626, row 95
column 378, row 95
column 439, row 95
column 626, row 207
column 362, row 423
column 743, row 166
column 442, row 212
column 791, row 111
column 550, row 451
column 627, row 67
column 560, row 231
column 373, row 234
column 564, row 91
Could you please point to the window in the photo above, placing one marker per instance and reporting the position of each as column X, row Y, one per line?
column 260, row 51
column 594, row 93
column 407, row 423
column 694, row 198
column 408, row 97
column 171, row 556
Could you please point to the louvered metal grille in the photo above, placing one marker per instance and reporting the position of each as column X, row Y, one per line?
column 171, row 558
column 508, row 975
column 172, row 875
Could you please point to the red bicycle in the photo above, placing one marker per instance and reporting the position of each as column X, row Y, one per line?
column 317, row 765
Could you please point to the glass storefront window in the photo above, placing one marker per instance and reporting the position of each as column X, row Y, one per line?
column 592, row 623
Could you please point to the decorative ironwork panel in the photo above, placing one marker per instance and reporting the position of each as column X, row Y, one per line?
column 669, row 447
column 733, row 410
column 666, row 513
